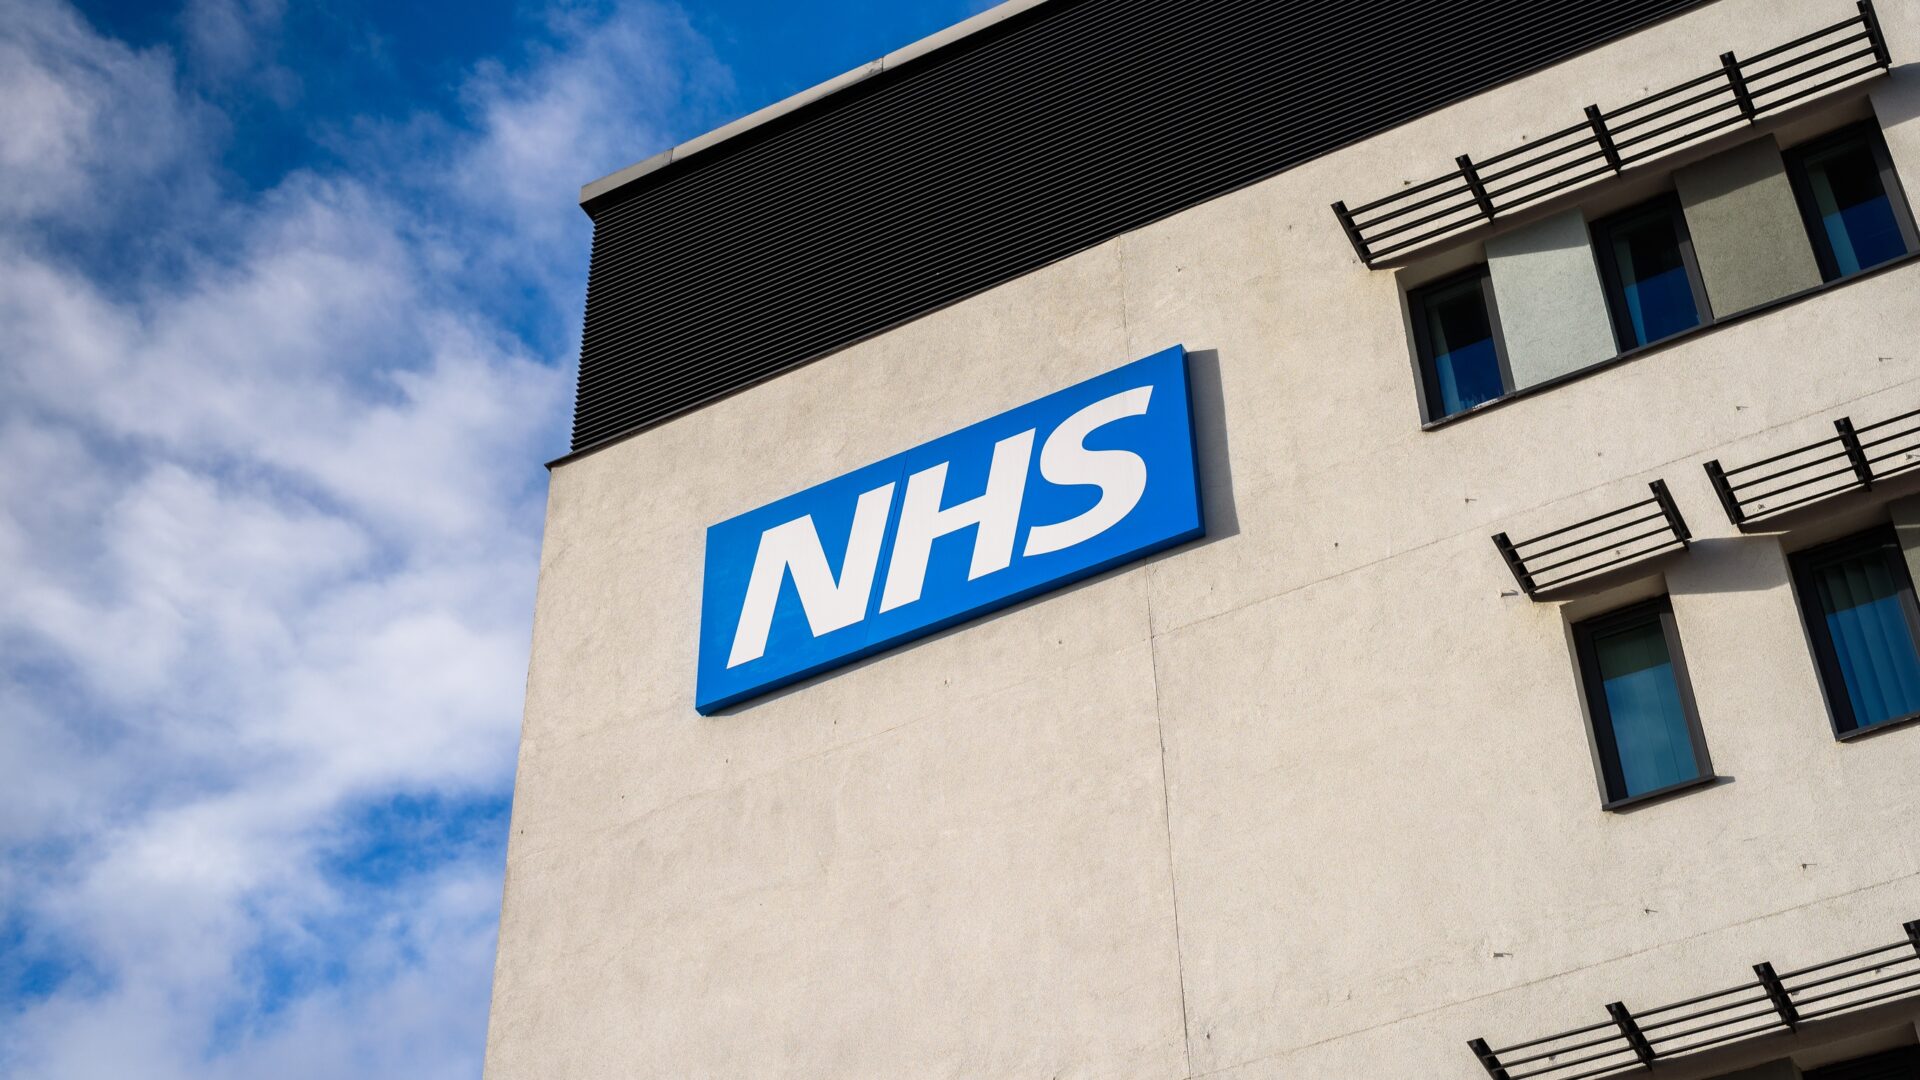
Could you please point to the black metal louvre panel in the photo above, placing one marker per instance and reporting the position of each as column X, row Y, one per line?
column 1047, row 134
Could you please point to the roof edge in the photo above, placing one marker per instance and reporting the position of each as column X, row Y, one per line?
column 932, row 43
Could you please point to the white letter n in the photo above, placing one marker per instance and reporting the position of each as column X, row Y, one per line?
column 829, row 605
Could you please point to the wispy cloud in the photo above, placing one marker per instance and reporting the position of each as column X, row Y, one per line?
column 87, row 118
column 229, row 38
column 267, row 541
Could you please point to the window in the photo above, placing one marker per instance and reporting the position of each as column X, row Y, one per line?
column 1858, row 602
column 1653, row 285
column 1646, row 734
column 1851, row 200
column 1462, row 359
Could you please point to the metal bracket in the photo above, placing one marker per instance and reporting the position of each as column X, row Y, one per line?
column 1624, row 1020
column 1777, row 993
column 1514, row 564
column 1353, row 234
column 1488, row 1059
column 1731, row 505
column 1856, row 456
column 1678, row 523
column 1474, row 185
column 1874, row 34
column 1605, row 138
column 1739, row 83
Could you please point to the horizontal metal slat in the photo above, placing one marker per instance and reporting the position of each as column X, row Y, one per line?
column 1002, row 154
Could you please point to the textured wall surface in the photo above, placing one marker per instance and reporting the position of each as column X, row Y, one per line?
column 1308, row 799
column 1553, row 311
column 1747, row 231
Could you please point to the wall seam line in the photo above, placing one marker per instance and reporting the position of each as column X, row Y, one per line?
column 1166, row 817
column 1159, row 719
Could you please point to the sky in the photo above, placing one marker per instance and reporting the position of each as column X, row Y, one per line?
column 289, row 304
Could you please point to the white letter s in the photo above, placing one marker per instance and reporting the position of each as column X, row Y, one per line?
column 1121, row 475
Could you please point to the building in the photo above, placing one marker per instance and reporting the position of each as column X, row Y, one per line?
column 1532, row 704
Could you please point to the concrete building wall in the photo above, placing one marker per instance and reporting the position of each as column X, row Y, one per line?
column 1747, row 233
column 1308, row 798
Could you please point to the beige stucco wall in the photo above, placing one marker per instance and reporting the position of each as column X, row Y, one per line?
column 1309, row 798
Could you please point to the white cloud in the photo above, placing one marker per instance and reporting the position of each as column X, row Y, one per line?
column 550, row 129
column 547, row 130
column 79, row 109
column 227, row 37
column 267, row 541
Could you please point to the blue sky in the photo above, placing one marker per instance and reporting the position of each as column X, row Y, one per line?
column 289, row 299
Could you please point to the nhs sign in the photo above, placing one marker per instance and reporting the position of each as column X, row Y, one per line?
column 1077, row 482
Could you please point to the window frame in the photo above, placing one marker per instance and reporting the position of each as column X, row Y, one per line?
column 1796, row 162
column 1426, row 376
column 1601, row 740
column 1885, row 539
column 1601, row 233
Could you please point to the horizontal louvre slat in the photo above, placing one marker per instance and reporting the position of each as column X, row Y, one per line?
column 1626, row 137
column 1045, row 135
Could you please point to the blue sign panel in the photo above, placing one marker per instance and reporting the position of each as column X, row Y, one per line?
column 1077, row 482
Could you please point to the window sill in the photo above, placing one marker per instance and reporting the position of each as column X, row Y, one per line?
column 1658, row 794
column 1672, row 340
column 1884, row 725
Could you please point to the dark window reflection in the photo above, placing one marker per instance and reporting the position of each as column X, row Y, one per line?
column 1860, row 599
column 1855, row 215
column 1464, row 362
column 1656, row 294
column 1650, row 731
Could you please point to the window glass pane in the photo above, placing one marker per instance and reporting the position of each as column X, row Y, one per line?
column 1466, row 368
column 1653, row 276
column 1643, row 705
column 1854, row 209
column 1860, row 601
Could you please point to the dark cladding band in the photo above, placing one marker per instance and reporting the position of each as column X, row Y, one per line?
column 1043, row 135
